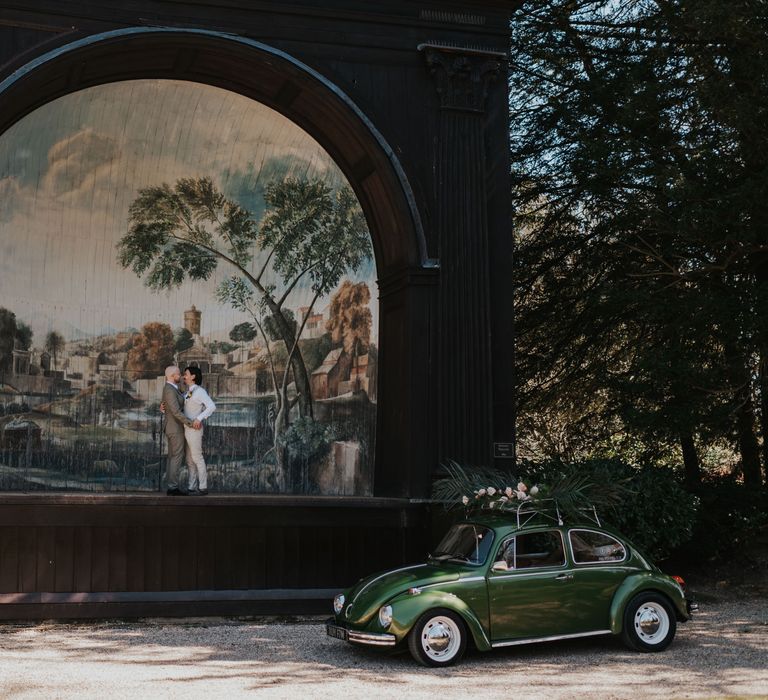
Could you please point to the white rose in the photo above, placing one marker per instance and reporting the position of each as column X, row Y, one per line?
column 534, row 490
column 464, row 500
column 481, row 492
column 508, row 491
column 492, row 504
column 491, row 491
column 522, row 487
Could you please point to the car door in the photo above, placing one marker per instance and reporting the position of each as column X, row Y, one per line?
column 599, row 567
column 526, row 586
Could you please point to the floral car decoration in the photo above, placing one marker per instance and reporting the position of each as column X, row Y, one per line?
column 519, row 569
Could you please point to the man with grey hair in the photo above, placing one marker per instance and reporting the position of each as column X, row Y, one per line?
column 175, row 420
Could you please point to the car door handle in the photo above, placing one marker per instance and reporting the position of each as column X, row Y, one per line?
column 564, row 577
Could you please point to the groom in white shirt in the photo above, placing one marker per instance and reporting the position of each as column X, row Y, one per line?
column 198, row 406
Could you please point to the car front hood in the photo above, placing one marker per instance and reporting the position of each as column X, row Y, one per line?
column 371, row 593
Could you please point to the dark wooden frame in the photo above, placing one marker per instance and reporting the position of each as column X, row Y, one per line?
column 410, row 100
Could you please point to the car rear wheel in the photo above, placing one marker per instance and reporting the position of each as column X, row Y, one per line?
column 649, row 623
column 439, row 638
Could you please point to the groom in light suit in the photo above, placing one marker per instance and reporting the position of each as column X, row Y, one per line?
column 175, row 420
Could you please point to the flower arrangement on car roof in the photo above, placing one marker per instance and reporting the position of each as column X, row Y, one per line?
column 492, row 497
column 487, row 488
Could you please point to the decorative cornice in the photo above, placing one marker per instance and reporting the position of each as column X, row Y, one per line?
column 462, row 75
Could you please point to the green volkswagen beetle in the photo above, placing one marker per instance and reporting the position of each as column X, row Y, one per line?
column 501, row 579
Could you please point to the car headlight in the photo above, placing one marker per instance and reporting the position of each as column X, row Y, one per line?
column 385, row 616
column 338, row 603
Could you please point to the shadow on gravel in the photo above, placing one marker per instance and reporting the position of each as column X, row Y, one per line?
column 725, row 643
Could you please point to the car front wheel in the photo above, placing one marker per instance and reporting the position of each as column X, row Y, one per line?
column 439, row 638
column 649, row 623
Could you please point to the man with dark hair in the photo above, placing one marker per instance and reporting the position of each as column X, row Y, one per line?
column 197, row 407
column 175, row 424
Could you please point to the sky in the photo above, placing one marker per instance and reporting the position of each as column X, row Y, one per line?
column 70, row 170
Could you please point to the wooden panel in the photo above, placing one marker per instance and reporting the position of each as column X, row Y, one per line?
column 171, row 542
column 27, row 559
column 256, row 557
column 9, row 559
column 64, row 559
column 206, row 558
column 135, row 559
column 153, row 570
column 46, row 559
column 100, row 555
column 223, row 572
column 240, row 552
column 81, row 565
column 275, row 557
column 188, row 558
column 118, row 559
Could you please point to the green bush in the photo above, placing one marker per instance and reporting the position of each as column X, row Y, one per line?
column 730, row 517
column 654, row 511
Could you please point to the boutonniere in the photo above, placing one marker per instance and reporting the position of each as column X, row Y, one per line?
column 189, row 393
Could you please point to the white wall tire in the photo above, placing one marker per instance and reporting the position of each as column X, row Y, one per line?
column 649, row 623
column 439, row 638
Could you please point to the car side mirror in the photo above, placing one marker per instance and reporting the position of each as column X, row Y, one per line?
column 500, row 565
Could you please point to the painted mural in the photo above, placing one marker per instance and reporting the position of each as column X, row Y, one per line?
column 153, row 222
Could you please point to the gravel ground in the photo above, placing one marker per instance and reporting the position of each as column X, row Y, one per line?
column 722, row 653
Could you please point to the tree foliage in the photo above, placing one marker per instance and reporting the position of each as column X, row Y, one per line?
column 350, row 317
column 7, row 336
column 640, row 176
column 243, row 333
column 152, row 351
column 54, row 344
column 309, row 236
column 182, row 340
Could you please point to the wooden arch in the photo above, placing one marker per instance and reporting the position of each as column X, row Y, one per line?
column 254, row 70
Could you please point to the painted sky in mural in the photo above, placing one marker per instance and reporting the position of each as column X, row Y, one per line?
column 69, row 171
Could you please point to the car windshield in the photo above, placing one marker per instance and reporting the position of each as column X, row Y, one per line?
column 465, row 542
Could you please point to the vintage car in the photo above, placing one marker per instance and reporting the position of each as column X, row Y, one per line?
column 501, row 579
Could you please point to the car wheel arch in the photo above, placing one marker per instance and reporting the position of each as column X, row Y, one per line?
column 632, row 586
column 434, row 600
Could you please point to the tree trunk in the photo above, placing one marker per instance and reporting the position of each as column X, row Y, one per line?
column 300, row 374
column 691, row 464
column 764, row 406
column 745, row 419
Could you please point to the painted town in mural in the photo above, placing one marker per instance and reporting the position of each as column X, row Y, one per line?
column 150, row 223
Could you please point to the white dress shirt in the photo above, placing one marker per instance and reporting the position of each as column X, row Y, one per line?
column 197, row 404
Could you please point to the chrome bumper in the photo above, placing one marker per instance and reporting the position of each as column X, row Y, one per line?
column 375, row 639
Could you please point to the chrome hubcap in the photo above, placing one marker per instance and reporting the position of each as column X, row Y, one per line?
column 440, row 638
column 651, row 623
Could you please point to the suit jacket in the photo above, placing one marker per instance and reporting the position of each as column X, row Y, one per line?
column 175, row 420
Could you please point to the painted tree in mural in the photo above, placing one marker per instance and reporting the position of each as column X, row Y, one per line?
column 152, row 350
column 350, row 321
column 309, row 236
column 182, row 340
column 54, row 344
column 243, row 333
column 7, row 335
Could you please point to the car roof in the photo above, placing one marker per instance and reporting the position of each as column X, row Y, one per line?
column 508, row 522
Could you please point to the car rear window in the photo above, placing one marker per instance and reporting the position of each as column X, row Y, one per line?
column 591, row 547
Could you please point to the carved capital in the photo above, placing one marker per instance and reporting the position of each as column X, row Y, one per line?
column 462, row 76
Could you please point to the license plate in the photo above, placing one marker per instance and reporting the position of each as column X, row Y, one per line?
column 336, row 632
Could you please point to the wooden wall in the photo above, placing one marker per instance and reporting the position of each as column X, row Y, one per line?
column 139, row 555
column 93, row 556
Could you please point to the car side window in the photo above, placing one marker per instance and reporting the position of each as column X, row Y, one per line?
column 533, row 550
column 590, row 547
